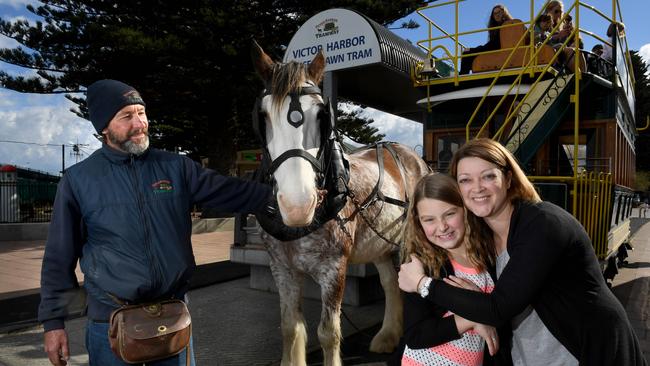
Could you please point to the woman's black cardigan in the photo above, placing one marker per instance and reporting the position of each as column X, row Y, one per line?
column 552, row 267
column 425, row 326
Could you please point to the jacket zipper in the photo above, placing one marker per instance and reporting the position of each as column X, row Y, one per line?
column 153, row 272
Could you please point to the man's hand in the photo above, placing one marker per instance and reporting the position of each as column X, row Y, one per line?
column 410, row 274
column 56, row 347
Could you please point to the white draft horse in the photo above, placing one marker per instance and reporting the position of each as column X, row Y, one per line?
column 291, row 124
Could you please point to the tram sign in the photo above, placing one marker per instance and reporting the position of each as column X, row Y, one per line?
column 346, row 38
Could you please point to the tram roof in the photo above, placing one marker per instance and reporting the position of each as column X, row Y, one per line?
column 372, row 64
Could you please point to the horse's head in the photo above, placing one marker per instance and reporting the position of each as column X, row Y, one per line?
column 291, row 120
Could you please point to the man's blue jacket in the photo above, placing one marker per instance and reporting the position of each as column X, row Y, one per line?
column 127, row 220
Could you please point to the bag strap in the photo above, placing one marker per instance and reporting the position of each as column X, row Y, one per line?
column 117, row 300
column 187, row 349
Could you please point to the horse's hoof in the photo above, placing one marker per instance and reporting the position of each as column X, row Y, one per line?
column 384, row 343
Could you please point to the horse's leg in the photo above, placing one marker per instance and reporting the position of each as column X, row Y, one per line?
column 391, row 330
column 294, row 334
column 332, row 284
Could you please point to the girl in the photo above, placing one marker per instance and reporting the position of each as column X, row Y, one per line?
column 555, row 9
column 435, row 238
column 550, row 287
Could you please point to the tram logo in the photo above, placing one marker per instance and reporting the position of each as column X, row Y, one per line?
column 327, row 27
column 162, row 186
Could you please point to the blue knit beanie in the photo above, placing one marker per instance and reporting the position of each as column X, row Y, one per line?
column 105, row 98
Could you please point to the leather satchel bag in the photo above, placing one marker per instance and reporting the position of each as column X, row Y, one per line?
column 149, row 332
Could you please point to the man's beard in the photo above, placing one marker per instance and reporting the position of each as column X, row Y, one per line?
column 127, row 144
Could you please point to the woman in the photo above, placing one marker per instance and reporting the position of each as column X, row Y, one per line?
column 555, row 9
column 435, row 236
column 498, row 15
column 545, row 260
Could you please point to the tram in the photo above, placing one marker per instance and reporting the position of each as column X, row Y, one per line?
column 572, row 131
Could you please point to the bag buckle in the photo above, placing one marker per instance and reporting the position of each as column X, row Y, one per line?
column 153, row 309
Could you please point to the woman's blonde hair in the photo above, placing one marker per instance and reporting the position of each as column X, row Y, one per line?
column 520, row 187
column 551, row 5
column 440, row 187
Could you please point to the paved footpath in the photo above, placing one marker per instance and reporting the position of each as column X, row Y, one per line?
column 632, row 284
column 235, row 325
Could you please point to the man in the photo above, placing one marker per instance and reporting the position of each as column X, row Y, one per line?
column 597, row 50
column 124, row 213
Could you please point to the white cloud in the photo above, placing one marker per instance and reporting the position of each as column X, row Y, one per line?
column 41, row 120
column 396, row 129
column 644, row 52
column 6, row 42
column 18, row 4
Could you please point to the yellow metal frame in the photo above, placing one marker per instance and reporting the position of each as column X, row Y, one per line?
column 647, row 124
column 595, row 191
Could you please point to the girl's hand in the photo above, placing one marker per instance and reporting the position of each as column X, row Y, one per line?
column 565, row 32
column 410, row 274
column 488, row 333
column 462, row 283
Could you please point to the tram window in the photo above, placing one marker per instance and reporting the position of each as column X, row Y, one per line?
column 582, row 156
column 619, row 203
column 446, row 146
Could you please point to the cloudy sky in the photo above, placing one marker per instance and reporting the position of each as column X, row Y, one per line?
column 38, row 121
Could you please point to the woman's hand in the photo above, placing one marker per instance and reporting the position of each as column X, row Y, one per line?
column 488, row 333
column 461, row 283
column 410, row 274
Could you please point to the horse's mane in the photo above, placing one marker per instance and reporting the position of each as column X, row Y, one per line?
column 286, row 78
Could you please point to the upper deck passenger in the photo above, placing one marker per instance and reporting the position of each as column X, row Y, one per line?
column 498, row 15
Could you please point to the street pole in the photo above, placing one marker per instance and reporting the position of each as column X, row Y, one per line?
column 62, row 159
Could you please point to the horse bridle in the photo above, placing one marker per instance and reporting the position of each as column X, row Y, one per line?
column 296, row 118
column 329, row 165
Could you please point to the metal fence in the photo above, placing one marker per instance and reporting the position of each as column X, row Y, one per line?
column 26, row 201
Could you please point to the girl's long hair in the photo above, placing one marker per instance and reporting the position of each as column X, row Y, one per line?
column 520, row 187
column 440, row 187
column 494, row 33
column 551, row 5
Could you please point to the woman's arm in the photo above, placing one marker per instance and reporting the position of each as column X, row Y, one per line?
column 424, row 324
column 535, row 243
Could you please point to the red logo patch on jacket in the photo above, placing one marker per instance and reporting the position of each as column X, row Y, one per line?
column 162, row 186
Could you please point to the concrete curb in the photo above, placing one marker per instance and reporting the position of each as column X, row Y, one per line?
column 19, row 309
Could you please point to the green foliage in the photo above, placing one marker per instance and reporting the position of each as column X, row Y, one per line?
column 642, row 181
column 357, row 128
column 189, row 59
column 642, row 103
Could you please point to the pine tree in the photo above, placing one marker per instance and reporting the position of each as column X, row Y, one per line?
column 189, row 59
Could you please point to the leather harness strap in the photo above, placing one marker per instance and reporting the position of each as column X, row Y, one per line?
column 294, row 153
column 376, row 194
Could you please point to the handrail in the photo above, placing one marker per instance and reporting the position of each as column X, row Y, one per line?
column 628, row 58
column 647, row 124
column 534, row 56
column 473, row 32
column 532, row 87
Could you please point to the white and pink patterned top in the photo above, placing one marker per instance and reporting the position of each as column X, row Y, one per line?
column 464, row 351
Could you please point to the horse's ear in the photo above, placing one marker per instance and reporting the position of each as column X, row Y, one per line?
column 262, row 62
column 317, row 67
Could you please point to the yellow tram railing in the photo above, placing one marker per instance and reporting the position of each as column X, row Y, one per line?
column 594, row 204
column 592, row 192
